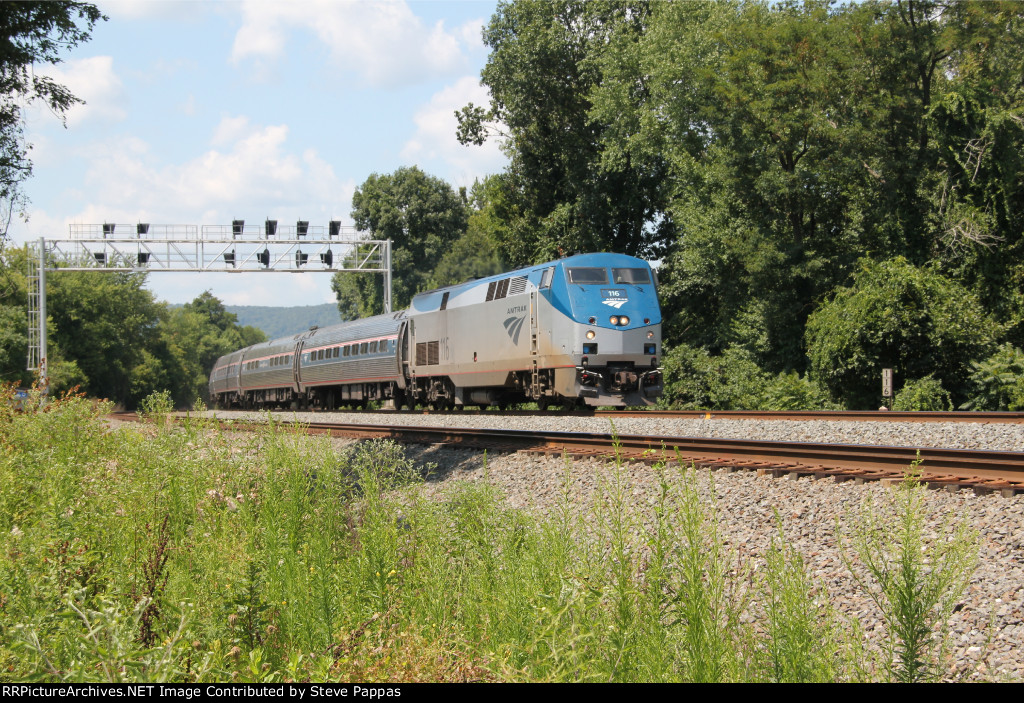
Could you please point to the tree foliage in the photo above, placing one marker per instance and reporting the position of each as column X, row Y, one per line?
column 895, row 315
column 761, row 150
column 561, row 195
column 997, row 382
column 422, row 216
column 476, row 253
column 32, row 34
column 110, row 336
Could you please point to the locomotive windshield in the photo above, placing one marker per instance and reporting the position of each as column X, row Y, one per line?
column 588, row 275
column 637, row 275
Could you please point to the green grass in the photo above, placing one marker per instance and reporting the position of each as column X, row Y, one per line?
column 190, row 553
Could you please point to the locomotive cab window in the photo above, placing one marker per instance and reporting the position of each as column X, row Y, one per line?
column 631, row 275
column 587, row 275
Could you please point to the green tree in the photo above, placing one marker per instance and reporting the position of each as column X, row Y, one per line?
column 210, row 307
column 31, row 34
column 750, row 105
column 422, row 216
column 561, row 196
column 64, row 372
column 476, row 253
column 761, row 149
column 997, row 383
column 978, row 131
column 105, row 322
column 896, row 315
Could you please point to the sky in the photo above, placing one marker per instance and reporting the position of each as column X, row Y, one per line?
column 203, row 111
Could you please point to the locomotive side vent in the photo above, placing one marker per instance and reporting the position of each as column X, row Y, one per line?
column 517, row 285
column 426, row 353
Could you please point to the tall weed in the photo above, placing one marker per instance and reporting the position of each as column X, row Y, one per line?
column 914, row 579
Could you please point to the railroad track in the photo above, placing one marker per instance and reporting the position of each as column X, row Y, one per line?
column 953, row 469
column 830, row 415
column 797, row 415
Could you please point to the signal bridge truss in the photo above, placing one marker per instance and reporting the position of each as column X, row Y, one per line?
column 234, row 248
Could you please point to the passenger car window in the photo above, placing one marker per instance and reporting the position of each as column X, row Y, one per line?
column 588, row 275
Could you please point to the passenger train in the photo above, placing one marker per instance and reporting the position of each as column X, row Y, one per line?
column 580, row 331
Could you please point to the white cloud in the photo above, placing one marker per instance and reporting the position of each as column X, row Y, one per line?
column 434, row 139
column 94, row 81
column 230, row 129
column 383, row 42
column 249, row 172
column 152, row 9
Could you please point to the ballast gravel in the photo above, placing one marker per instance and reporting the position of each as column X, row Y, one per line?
column 992, row 436
column 987, row 627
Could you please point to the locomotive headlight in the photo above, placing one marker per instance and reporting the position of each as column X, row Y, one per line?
column 650, row 335
column 623, row 320
column 614, row 319
column 591, row 334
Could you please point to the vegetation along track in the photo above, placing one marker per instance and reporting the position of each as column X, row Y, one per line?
column 953, row 469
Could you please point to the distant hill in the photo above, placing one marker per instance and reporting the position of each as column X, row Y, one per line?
column 281, row 322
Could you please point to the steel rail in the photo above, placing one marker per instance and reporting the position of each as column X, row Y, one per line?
column 993, row 470
column 983, row 470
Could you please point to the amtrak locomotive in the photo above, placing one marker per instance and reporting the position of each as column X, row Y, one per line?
column 585, row 330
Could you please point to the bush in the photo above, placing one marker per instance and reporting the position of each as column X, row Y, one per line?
column 696, row 380
column 922, row 394
column 997, row 383
column 914, row 320
column 157, row 406
column 791, row 391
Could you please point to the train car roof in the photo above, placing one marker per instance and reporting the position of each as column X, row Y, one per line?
column 591, row 259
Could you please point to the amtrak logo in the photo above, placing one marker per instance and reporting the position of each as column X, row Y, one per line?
column 514, row 325
column 615, row 303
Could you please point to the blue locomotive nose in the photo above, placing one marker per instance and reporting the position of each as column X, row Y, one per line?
column 616, row 297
